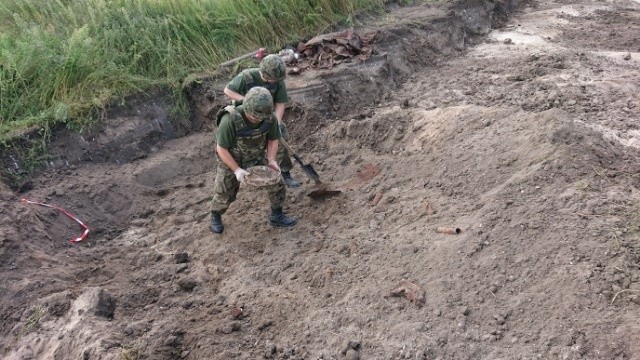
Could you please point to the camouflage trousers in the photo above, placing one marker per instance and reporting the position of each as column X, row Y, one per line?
column 226, row 186
column 284, row 160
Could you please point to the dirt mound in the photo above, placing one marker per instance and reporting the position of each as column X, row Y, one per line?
column 525, row 142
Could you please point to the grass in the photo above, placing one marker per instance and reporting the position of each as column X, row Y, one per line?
column 61, row 60
column 584, row 185
column 33, row 321
column 633, row 220
column 131, row 352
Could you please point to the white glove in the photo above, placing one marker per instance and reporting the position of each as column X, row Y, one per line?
column 241, row 174
column 274, row 165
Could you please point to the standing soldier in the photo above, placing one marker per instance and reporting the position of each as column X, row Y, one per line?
column 269, row 75
column 243, row 135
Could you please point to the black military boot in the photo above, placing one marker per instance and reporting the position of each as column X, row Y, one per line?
column 280, row 219
column 289, row 181
column 216, row 223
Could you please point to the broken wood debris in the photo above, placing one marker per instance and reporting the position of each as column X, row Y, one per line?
column 327, row 50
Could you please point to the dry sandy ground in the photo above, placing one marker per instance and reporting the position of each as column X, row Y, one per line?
column 524, row 137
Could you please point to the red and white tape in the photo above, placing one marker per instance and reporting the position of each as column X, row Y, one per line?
column 86, row 229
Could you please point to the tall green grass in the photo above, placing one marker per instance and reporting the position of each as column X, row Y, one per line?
column 61, row 59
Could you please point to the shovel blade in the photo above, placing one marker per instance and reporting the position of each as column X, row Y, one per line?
column 311, row 173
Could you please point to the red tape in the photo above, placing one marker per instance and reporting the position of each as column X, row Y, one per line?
column 86, row 229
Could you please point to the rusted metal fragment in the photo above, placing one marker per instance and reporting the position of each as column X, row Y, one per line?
column 448, row 230
column 411, row 291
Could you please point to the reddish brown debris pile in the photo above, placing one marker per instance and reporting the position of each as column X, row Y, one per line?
column 327, row 50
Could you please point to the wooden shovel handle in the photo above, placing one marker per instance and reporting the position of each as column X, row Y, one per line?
column 286, row 146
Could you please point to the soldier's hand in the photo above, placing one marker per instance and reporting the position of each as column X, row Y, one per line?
column 240, row 174
column 274, row 165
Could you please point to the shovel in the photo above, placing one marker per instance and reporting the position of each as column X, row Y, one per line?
column 321, row 192
column 308, row 169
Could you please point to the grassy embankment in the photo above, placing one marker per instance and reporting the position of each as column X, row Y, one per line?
column 60, row 60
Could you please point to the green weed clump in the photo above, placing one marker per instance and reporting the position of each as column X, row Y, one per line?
column 61, row 59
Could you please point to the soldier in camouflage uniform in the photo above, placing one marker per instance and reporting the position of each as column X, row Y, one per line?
column 271, row 76
column 243, row 135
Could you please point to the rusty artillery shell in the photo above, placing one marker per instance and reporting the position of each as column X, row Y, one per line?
column 448, row 230
column 376, row 198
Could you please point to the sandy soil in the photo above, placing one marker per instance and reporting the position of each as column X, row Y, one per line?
column 519, row 128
